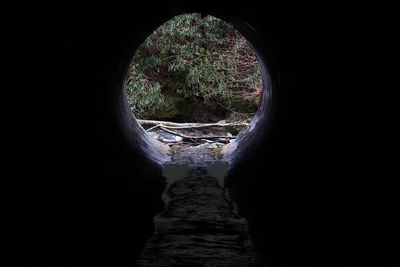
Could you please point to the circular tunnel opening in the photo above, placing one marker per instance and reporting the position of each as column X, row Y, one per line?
column 150, row 160
column 171, row 72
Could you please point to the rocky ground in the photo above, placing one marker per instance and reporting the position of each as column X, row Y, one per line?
column 199, row 225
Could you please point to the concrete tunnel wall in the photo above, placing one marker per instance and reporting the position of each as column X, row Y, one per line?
column 281, row 207
column 89, row 198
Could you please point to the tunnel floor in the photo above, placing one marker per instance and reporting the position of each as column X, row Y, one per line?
column 199, row 225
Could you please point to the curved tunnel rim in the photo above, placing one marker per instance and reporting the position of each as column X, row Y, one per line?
column 138, row 140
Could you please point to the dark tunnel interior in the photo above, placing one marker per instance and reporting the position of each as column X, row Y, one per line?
column 295, row 177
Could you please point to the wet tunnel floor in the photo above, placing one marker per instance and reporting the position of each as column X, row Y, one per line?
column 199, row 225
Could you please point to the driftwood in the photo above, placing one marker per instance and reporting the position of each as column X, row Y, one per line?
column 176, row 125
column 195, row 137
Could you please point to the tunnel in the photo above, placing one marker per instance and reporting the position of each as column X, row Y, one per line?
column 292, row 175
column 153, row 154
column 236, row 153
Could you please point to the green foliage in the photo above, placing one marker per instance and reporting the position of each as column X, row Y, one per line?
column 202, row 59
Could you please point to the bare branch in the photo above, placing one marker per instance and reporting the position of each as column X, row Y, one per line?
column 176, row 125
column 195, row 137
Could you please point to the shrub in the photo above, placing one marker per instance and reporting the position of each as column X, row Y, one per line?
column 199, row 59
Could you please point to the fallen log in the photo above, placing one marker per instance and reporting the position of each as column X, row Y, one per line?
column 195, row 137
column 177, row 125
